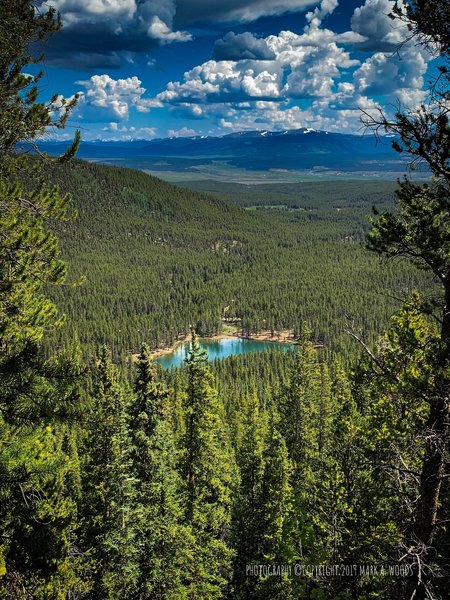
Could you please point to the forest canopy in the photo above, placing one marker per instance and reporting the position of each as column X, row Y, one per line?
column 272, row 475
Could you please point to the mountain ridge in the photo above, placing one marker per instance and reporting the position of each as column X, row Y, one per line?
column 297, row 149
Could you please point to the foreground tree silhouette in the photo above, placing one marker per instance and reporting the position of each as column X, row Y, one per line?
column 39, row 397
column 24, row 27
column 420, row 231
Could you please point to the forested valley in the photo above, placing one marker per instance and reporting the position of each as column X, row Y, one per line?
column 317, row 473
column 157, row 259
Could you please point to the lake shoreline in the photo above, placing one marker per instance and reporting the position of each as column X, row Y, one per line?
column 285, row 336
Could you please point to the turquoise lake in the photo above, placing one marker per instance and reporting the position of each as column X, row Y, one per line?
column 219, row 349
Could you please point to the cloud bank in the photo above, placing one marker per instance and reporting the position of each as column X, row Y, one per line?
column 316, row 78
column 102, row 33
column 254, row 83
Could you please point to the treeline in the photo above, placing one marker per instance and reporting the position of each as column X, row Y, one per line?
column 317, row 196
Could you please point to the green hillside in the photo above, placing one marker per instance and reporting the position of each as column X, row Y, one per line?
column 158, row 258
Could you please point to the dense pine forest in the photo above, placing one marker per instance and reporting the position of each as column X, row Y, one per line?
column 318, row 473
column 157, row 259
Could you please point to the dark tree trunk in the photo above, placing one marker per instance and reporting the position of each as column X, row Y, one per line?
column 430, row 484
column 436, row 439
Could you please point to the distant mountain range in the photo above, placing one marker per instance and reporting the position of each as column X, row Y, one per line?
column 297, row 149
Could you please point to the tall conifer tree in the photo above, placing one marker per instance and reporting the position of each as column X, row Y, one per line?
column 276, row 506
column 39, row 397
column 109, row 537
column 247, row 529
column 299, row 406
column 208, row 471
column 163, row 541
column 420, row 231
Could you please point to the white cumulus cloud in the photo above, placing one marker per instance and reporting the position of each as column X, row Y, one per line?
column 327, row 7
column 399, row 76
column 303, row 66
column 260, row 82
column 76, row 10
column 159, row 30
column 180, row 133
column 108, row 99
column 242, row 46
column 313, row 78
column 379, row 32
column 116, row 133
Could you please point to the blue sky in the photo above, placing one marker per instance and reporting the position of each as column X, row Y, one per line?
column 163, row 68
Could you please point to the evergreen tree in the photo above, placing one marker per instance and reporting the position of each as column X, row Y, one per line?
column 108, row 515
column 207, row 469
column 300, row 412
column 38, row 470
column 398, row 390
column 24, row 27
column 421, row 232
column 247, row 534
column 341, row 487
column 300, row 404
column 40, row 397
column 275, row 514
column 163, row 542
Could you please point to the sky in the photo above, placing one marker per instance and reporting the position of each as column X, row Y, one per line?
column 148, row 69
